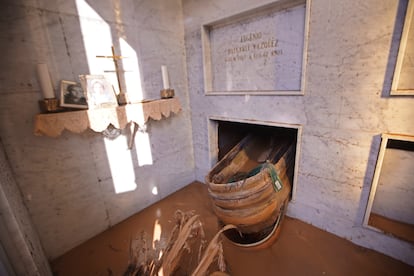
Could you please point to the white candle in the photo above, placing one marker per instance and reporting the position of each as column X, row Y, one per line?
column 44, row 81
column 165, row 79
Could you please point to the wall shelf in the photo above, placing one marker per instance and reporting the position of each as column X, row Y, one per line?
column 52, row 124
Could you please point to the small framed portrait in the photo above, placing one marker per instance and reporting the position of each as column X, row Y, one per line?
column 72, row 95
column 99, row 91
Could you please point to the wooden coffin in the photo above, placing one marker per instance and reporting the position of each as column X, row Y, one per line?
column 250, row 187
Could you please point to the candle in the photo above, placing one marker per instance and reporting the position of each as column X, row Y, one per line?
column 165, row 79
column 44, row 81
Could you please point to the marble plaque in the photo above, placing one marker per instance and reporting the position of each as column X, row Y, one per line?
column 260, row 53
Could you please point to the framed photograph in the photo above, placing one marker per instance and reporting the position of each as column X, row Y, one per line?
column 72, row 95
column 403, row 81
column 99, row 91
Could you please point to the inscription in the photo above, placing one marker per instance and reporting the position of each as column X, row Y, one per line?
column 251, row 37
column 253, row 46
column 260, row 52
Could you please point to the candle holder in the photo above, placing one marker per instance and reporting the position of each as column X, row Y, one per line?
column 167, row 93
column 49, row 105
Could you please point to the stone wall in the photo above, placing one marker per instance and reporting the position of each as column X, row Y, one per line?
column 70, row 184
column 345, row 107
column 18, row 237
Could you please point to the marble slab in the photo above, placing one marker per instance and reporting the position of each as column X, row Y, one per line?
column 257, row 51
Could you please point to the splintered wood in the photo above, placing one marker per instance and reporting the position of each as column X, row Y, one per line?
column 250, row 188
column 186, row 239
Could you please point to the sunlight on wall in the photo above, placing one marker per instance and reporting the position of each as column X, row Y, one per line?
column 134, row 89
column 120, row 163
column 97, row 39
column 132, row 75
column 96, row 33
column 143, row 147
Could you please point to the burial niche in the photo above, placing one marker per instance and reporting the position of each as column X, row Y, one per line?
column 225, row 133
column 390, row 206
column 251, row 184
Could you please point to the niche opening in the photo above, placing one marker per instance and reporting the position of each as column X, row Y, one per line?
column 390, row 204
column 226, row 133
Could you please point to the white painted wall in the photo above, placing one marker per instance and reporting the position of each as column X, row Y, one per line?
column 67, row 182
column 346, row 106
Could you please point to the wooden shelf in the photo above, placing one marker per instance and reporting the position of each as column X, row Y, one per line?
column 52, row 124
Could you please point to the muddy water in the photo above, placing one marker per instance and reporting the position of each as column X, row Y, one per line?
column 301, row 249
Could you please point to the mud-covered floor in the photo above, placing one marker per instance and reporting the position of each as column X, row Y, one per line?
column 301, row 249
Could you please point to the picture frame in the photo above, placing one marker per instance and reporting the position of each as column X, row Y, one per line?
column 403, row 82
column 72, row 95
column 99, row 91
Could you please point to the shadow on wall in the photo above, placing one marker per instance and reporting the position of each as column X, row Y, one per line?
column 395, row 43
column 369, row 173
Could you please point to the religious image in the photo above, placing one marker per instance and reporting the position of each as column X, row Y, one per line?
column 99, row 91
column 72, row 95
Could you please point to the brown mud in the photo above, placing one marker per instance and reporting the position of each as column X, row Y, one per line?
column 300, row 249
